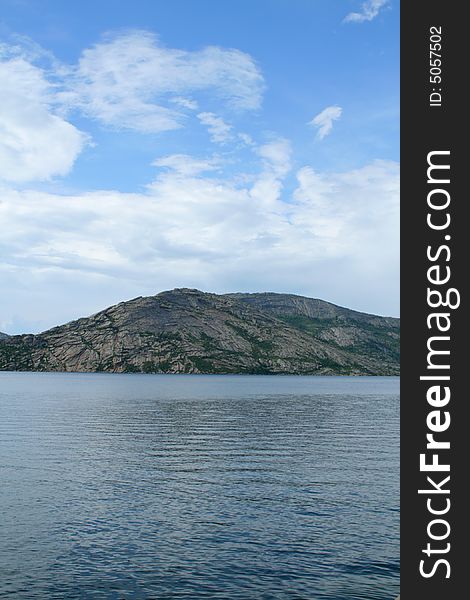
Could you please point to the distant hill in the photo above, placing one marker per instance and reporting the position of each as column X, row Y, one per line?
column 3, row 336
column 188, row 331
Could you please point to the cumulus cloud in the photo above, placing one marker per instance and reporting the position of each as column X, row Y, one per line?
column 324, row 120
column 35, row 143
column 369, row 10
column 334, row 235
column 350, row 213
column 219, row 131
column 132, row 81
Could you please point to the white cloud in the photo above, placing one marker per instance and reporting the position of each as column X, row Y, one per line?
column 246, row 139
column 127, row 81
column 219, row 131
column 336, row 235
column 352, row 213
column 324, row 120
column 186, row 165
column 131, row 81
column 188, row 103
column 369, row 10
column 276, row 163
column 35, row 143
column 333, row 236
column 276, row 156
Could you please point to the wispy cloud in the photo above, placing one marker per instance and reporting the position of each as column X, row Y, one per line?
column 369, row 10
column 186, row 165
column 188, row 103
column 275, row 165
column 246, row 139
column 324, row 120
column 127, row 81
column 131, row 81
column 219, row 130
column 276, row 156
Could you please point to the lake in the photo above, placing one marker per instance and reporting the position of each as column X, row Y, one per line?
column 193, row 486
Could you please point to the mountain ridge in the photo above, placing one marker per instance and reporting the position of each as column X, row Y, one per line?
column 188, row 331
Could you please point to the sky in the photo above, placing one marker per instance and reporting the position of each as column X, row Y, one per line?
column 248, row 145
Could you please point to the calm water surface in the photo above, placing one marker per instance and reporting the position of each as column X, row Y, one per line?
column 186, row 486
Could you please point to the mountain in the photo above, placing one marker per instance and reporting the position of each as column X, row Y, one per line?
column 358, row 332
column 3, row 336
column 188, row 331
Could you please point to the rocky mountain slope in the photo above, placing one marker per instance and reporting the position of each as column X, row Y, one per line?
column 188, row 331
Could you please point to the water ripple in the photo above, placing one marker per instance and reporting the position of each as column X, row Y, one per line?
column 159, row 487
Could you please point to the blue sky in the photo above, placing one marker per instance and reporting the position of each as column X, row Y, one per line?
column 228, row 146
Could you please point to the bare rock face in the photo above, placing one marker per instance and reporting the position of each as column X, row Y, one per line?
column 357, row 332
column 188, row 331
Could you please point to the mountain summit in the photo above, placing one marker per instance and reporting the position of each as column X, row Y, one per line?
column 189, row 331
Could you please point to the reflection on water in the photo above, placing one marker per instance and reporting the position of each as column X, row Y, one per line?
column 154, row 486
